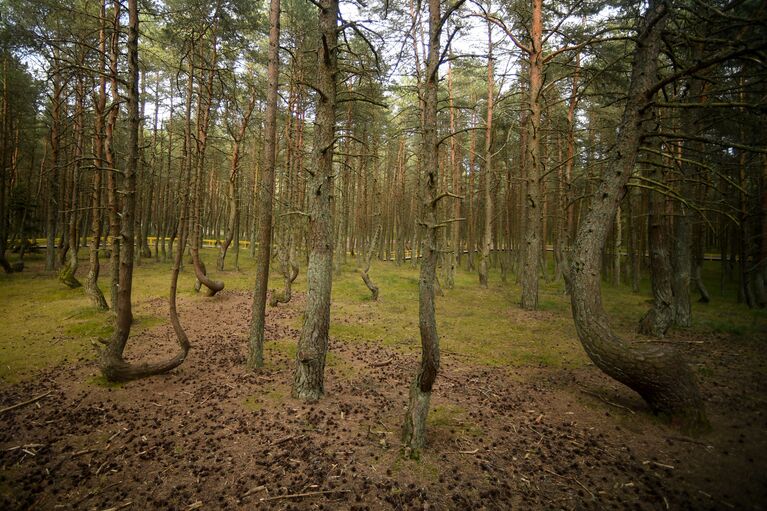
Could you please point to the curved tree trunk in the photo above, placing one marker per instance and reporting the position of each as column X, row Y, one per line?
column 309, row 378
column 414, row 428
column 234, row 204
column 289, row 270
column 658, row 374
column 113, row 365
column 92, row 288
column 368, row 257
column 204, row 106
column 69, row 269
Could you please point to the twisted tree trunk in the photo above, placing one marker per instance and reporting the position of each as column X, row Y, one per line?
column 92, row 288
column 658, row 374
column 113, row 365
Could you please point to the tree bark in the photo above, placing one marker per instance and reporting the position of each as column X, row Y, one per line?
column 487, row 172
column 659, row 318
column 533, row 198
column 658, row 374
column 266, row 192
column 113, row 202
column 414, row 428
column 92, row 288
column 111, row 362
column 368, row 257
column 308, row 382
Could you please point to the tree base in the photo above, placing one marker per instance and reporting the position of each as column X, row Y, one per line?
column 308, row 382
column 414, row 428
column 67, row 277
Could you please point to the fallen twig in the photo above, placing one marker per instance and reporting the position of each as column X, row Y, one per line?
column 84, row 451
column 25, row 403
column 384, row 363
column 300, row 495
column 253, row 490
column 285, row 439
column 662, row 465
column 27, row 446
column 691, row 440
column 599, row 396
column 121, row 506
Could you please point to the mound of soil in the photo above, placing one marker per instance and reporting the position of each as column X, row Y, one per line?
column 211, row 435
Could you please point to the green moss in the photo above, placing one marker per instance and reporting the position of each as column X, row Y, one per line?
column 422, row 469
column 453, row 419
column 270, row 397
column 100, row 381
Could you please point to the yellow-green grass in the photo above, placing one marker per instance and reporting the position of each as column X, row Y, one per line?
column 43, row 323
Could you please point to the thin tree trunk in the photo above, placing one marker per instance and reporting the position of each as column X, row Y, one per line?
column 534, row 200
column 113, row 202
column 487, row 172
column 113, row 365
column 414, row 430
column 263, row 255
column 92, row 288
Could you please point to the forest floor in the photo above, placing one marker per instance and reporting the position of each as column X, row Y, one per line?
column 519, row 419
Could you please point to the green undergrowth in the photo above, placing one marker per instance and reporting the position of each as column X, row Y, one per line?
column 45, row 323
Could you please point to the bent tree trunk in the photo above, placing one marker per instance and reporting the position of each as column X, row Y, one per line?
column 112, row 364
column 289, row 270
column 92, row 288
column 414, row 427
column 368, row 257
column 308, row 382
column 658, row 374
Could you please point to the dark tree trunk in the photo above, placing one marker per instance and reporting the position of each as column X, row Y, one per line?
column 658, row 319
column 264, row 248
column 113, row 365
column 113, row 202
column 657, row 373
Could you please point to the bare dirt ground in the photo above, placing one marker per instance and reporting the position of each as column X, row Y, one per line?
column 210, row 435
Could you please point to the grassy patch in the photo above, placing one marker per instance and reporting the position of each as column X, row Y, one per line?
column 100, row 381
column 45, row 324
column 267, row 399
